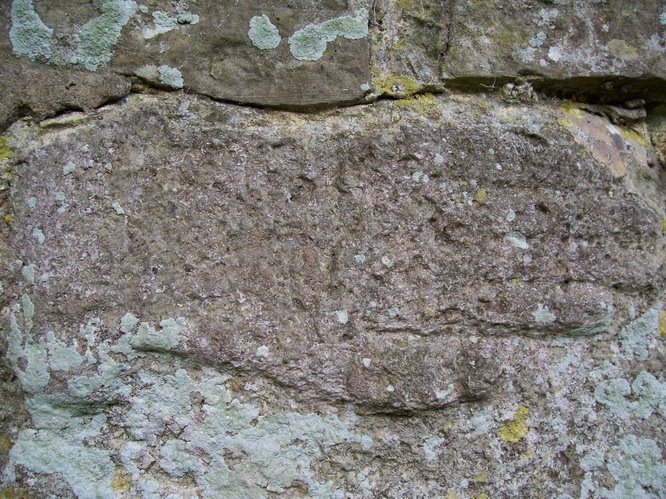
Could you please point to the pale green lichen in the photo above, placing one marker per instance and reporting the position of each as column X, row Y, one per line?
column 592, row 461
column 542, row 315
column 165, row 339
column 163, row 23
column 342, row 316
column 118, row 208
column 518, row 240
column 28, row 272
column 171, row 77
column 637, row 337
column 641, row 399
column 270, row 451
column 128, row 323
column 63, row 357
column 359, row 258
column 263, row 33
column 97, row 38
column 28, row 34
column 69, row 167
column 393, row 312
column 92, row 45
column 637, row 468
column 88, row 471
column 431, row 449
column 38, row 235
column 310, row 42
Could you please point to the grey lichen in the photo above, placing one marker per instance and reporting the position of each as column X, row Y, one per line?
column 92, row 45
column 263, row 33
column 310, row 42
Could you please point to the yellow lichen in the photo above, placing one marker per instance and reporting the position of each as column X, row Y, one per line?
column 13, row 493
column 396, row 86
column 574, row 109
column 633, row 135
column 481, row 196
column 406, row 4
column 480, row 478
column 663, row 226
column 425, row 104
column 622, row 50
column 516, row 430
column 5, row 444
column 482, row 496
column 121, row 481
column 562, row 121
column 9, row 219
column 662, row 323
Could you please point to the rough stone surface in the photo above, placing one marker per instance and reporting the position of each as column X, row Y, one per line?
column 454, row 289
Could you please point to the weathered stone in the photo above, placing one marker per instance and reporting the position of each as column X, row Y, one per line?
column 597, row 50
column 256, row 245
column 453, row 295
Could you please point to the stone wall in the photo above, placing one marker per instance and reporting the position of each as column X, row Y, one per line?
column 390, row 248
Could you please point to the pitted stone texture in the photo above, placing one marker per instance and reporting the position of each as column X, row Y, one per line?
column 251, row 224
